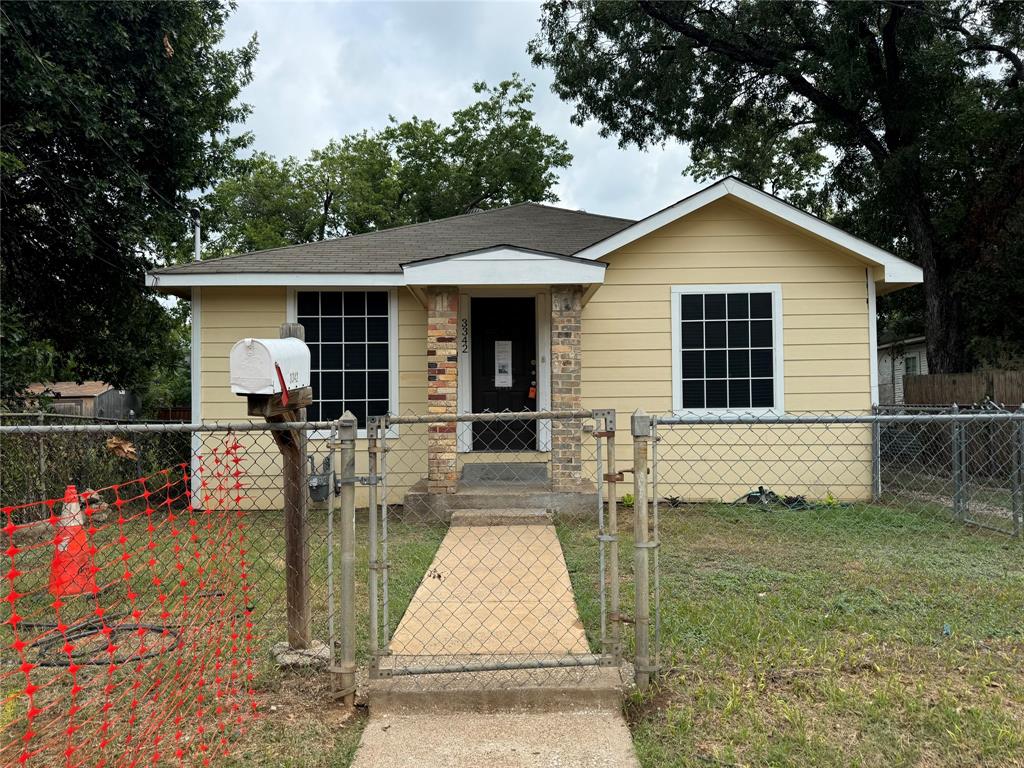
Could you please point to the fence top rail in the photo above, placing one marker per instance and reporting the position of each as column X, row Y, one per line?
column 163, row 426
column 448, row 418
column 837, row 418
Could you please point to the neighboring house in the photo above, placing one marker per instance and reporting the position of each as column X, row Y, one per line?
column 729, row 300
column 96, row 399
column 898, row 358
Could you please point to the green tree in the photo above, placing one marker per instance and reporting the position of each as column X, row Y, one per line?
column 113, row 113
column 491, row 154
column 901, row 121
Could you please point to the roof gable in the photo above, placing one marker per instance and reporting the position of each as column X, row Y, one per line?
column 895, row 271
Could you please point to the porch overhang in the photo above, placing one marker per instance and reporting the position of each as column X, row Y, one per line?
column 504, row 265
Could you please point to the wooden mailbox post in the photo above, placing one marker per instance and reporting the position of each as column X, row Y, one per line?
column 292, row 444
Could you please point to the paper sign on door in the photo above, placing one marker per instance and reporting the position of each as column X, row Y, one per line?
column 503, row 364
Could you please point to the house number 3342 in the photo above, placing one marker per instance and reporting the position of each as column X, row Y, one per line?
column 464, row 333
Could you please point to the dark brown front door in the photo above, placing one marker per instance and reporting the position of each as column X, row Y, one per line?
column 504, row 372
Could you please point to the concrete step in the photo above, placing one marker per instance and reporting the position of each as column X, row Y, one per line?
column 419, row 502
column 497, row 516
column 574, row 689
column 521, row 740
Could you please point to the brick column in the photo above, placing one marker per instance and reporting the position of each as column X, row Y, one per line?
column 566, row 436
column 442, row 386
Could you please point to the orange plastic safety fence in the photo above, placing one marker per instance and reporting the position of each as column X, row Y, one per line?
column 128, row 638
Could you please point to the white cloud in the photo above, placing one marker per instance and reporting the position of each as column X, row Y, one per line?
column 328, row 69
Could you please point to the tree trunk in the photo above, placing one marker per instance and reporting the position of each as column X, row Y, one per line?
column 947, row 352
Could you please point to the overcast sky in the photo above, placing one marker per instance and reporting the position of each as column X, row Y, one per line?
column 331, row 68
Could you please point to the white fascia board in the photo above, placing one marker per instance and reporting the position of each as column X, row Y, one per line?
column 896, row 270
column 504, row 266
column 299, row 279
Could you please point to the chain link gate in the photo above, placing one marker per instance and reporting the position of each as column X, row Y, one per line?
column 488, row 564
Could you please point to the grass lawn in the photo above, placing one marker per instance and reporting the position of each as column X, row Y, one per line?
column 847, row 636
column 854, row 636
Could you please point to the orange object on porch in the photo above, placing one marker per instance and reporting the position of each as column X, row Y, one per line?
column 72, row 571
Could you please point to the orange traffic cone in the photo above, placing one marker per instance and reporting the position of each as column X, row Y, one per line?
column 72, row 571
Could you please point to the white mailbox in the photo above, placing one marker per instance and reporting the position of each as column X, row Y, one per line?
column 259, row 365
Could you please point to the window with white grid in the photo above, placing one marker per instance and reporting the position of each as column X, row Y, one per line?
column 727, row 348
column 349, row 338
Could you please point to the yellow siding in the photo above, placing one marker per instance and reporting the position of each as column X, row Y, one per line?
column 627, row 351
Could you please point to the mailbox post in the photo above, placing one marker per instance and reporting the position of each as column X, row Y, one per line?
column 274, row 376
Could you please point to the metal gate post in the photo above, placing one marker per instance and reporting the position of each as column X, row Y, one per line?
column 611, row 536
column 959, row 474
column 372, row 428
column 640, row 427
column 346, row 672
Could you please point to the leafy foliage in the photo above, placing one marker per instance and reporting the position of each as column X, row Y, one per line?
column 491, row 154
column 902, row 122
column 113, row 113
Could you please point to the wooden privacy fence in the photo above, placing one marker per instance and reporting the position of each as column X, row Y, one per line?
column 1005, row 387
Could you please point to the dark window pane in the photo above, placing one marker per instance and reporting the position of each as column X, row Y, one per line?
column 377, row 356
column 739, row 393
column 311, row 325
column 314, row 357
column 355, row 303
column 738, row 309
column 714, row 306
column 714, row 364
column 762, row 393
column 693, row 365
column 693, row 394
column 355, row 385
column 314, row 383
column 331, row 327
column 716, row 394
column 739, row 363
column 376, row 303
column 376, row 407
column 760, row 333
column 332, row 410
column 761, row 362
column 330, row 386
column 330, row 302
column 377, row 384
column 308, row 302
column 714, row 335
column 331, row 357
column 313, row 412
column 355, row 329
column 377, row 329
column 692, row 306
column 739, row 333
column 359, row 411
column 760, row 305
column 693, row 336
column 355, row 357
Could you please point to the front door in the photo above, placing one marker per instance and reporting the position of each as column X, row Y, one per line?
column 504, row 371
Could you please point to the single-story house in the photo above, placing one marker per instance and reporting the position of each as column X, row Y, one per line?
column 899, row 357
column 96, row 399
column 728, row 300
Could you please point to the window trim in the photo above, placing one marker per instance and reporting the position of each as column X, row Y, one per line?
column 292, row 315
column 778, row 378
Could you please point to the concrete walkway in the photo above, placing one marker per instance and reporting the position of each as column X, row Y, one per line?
column 495, row 592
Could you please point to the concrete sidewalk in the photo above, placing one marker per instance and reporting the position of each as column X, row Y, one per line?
column 495, row 592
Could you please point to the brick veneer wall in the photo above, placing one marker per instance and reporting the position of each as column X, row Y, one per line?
column 442, row 386
column 566, row 436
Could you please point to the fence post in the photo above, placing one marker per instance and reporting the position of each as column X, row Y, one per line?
column 346, row 674
column 958, row 455
column 612, row 476
column 1017, row 476
column 372, row 428
column 876, row 457
column 640, row 427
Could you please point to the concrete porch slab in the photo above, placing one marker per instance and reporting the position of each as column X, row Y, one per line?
column 420, row 503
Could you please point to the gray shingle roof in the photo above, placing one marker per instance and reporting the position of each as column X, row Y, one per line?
column 526, row 225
